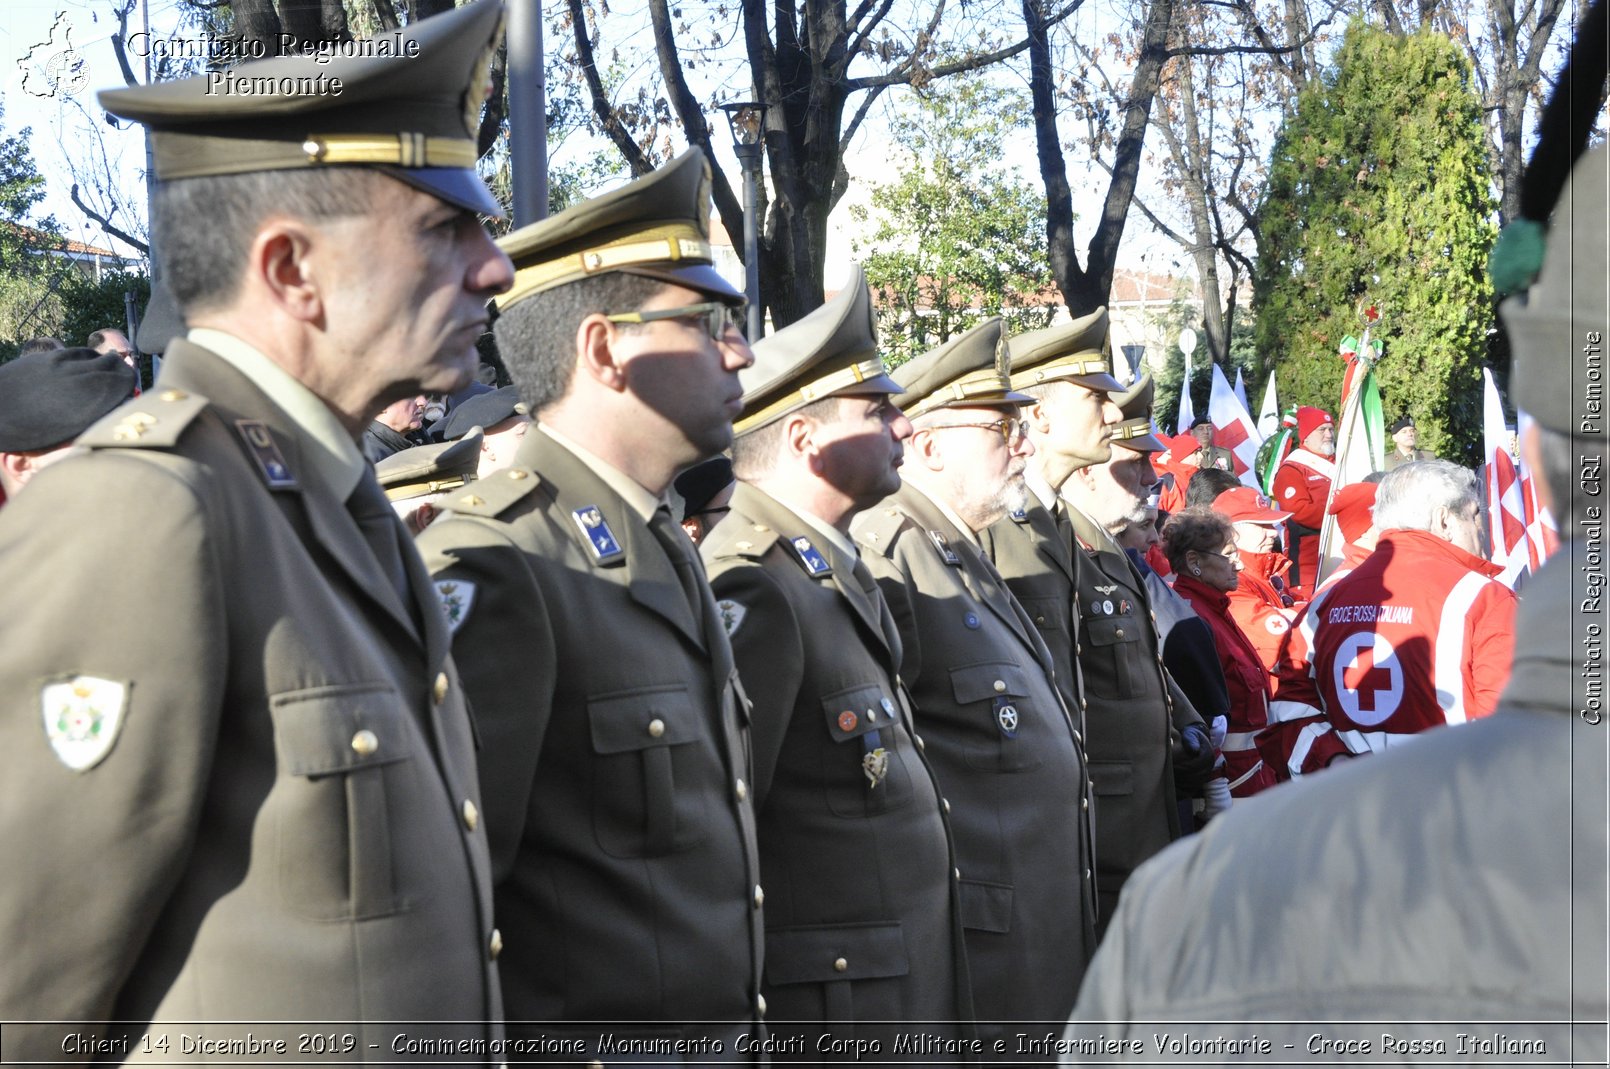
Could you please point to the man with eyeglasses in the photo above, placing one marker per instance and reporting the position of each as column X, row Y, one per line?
column 862, row 937
column 614, row 737
column 114, row 341
column 990, row 718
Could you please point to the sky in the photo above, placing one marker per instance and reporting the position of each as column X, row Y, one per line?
column 54, row 96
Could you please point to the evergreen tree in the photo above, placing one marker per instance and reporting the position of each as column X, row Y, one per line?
column 29, row 302
column 956, row 237
column 1379, row 193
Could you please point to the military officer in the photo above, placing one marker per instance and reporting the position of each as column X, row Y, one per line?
column 256, row 740
column 1143, row 737
column 989, row 715
column 1069, row 422
column 47, row 400
column 614, row 730
column 862, row 932
column 416, row 480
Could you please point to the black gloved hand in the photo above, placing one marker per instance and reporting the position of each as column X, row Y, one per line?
column 1193, row 760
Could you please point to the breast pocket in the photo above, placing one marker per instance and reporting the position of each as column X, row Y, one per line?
column 865, row 769
column 1111, row 657
column 347, row 787
column 1007, row 725
column 655, row 769
column 1051, row 617
column 849, row 958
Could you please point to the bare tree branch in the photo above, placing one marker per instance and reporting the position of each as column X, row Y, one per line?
column 967, row 63
column 107, row 225
column 603, row 111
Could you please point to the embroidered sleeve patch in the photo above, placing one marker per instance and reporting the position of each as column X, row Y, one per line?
column 732, row 615
column 457, row 597
column 82, row 717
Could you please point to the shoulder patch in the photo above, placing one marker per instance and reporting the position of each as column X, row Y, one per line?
column 82, row 716
column 1276, row 624
column 457, row 597
column 732, row 614
column 494, row 495
column 154, row 420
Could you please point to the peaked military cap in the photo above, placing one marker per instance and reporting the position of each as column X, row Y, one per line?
column 1135, row 431
column 406, row 102
column 1553, row 324
column 657, row 226
column 1073, row 352
column 485, row 410
column 430, row 469
column 48, row 399
column 833, row 352
column 974, row 368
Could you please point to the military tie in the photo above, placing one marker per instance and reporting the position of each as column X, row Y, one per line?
column 381, row 529
column 680, row 549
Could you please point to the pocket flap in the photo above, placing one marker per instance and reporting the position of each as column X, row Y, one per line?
column 817, row 955
column 869, row 709
column 337, row 729
column 642, row 720
column 981, row 682
column 1104, row 630
column 986, row 907
column 1112, row 777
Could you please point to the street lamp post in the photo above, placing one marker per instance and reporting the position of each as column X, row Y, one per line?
column 747, row 120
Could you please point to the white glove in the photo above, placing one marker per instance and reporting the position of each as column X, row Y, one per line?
column 1218, row 730
column 1215, row 798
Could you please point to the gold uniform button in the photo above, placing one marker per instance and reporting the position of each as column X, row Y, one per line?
column 1078, row 649
column 957, row 873
column 1084, row 803
column 760, row 896
column 519, row 473
column 472, row 816
column 494, row 945
column 656, row 728
column 918, row 740
column 760, row 1004
column 840, row 965
column 365, row 743
column 174, row 395
column 439, row 691
column 741, row 789
column 944, row 803
column 1000, row 686
column 1119, row 632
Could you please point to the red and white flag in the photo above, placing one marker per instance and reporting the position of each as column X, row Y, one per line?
column 1521, row 532
column 1234, row 429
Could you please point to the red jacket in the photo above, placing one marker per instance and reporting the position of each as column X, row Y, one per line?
column 1248, row 683
column 1418, row 635
column 1257, row 607
column 1301, row 487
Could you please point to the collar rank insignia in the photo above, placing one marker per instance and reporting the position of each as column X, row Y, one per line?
column 600, row 539
column 945, row 551
column 266, row 452
column 456, row 596
column 1108, row 589
column 1020, row 514
column 812, row 558
column 82, row 716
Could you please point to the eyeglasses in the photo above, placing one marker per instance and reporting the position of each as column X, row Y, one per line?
column 718, row 316
column 1011, row 428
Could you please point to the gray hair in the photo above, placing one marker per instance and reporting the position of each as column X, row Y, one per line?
column 1410, row 494
column 537, row 336
column 204, row 227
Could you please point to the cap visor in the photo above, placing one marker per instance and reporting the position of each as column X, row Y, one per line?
column 455, row 185
column 1146, row 443
column 876, row 384
column 1103, row 381
column 701, row 277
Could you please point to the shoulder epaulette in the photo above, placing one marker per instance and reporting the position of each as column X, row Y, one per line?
column 879, row 529
column 750, row 541
column 153, row 420
column 495, row 494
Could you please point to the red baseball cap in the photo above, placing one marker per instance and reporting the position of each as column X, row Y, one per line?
column 1310, row 419
column 1246, row 504
column 1354, row 507
column 1180, row 446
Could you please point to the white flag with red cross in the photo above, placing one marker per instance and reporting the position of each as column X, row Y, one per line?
column 1234, row 429
column 1521, row 532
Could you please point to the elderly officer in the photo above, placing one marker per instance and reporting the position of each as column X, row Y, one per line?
column 861, row 932
column 503, row 419
column 257, row 742
column 614, row 738
column 1462, row 877
column 416, row 480
column 47, row 400
column 1069, row 422
column 1146, row 742
column 1005, row 752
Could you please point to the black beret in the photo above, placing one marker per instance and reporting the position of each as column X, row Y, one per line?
column 485, row 410
column 48, row 399
column 702, row 482
column 1402, row 422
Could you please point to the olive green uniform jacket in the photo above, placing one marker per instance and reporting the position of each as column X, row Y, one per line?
column 1006, row 756
column 284, row 827
column 862, row 931
column 1133, row 712
column 1457, row 880
column 1033, row 551
column 614, row 740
